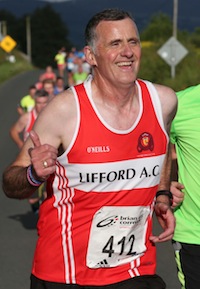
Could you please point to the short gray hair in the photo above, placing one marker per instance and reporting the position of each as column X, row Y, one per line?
column 105, row 15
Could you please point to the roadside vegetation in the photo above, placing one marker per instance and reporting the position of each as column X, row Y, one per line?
column 9, row 69
column 155, row 69
column 45, row 45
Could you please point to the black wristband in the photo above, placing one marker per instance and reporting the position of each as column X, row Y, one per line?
column 165, row 193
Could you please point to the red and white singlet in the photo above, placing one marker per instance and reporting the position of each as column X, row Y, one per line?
column 31, row 120
column 94, row 227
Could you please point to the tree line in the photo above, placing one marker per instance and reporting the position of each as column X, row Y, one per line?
column 49, row 33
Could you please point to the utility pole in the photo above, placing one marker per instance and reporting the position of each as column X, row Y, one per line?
column 3, row 29
column 28, row 37
column 175, row 17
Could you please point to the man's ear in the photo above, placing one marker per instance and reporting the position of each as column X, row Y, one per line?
column 89, row 56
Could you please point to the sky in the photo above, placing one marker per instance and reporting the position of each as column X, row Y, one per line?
column 76, row 13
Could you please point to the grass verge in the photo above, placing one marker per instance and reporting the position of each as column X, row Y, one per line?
column 9, row 69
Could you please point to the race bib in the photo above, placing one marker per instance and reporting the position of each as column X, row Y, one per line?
column 117, row 236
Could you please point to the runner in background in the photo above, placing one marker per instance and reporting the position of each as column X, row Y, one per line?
column 19, row 133
column 60, row 59
column 48, row 74
column 27, row 102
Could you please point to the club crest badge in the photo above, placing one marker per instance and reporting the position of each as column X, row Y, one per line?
column 145, row 142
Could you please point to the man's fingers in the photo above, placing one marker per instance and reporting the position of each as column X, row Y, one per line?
column 35, row 138
column 177, row 185
column 160, row 238
column 29, row 151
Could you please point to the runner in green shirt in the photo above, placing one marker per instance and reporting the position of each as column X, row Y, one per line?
column 27, row 102
column 185, row 135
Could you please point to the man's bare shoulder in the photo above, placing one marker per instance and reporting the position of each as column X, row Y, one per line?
column 167, row 95
column 169, row 102
column 164, row 90
column 23, row 119
column 56, row 123
column 64, row 101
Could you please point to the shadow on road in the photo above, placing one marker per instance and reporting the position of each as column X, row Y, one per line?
column 28, row 220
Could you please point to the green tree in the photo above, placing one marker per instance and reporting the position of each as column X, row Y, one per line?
column 11, row 23
column 159, row 28
column 48, row 35
column 195, row 37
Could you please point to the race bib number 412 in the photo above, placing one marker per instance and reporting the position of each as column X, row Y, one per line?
column 117, row 236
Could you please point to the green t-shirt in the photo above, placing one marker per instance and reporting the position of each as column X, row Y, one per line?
column 185, row 134
column 79, row 77
column 27, row 103
column 60, row 58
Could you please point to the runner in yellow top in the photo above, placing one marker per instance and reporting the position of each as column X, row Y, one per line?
column 60, row 59
column 27, row 102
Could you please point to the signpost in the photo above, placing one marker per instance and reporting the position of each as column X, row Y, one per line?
column 172, row 52
column 8, row 43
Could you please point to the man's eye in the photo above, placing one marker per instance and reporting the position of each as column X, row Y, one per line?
column 134, row 42
column 115, row 43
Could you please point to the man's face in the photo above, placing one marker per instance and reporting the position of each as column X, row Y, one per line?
column 32, row 92
column 40, row 103
column 118, row 51
column 60, row 83
column 49, row 88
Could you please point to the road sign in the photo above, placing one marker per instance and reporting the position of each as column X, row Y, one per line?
column 172, row 51
column 8, row 43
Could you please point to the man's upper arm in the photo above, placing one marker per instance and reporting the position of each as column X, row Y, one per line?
column 169, row 102
column 21, row 123
column 171, row 108
column 55, row 121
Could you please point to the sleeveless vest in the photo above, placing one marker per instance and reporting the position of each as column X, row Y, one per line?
column 94, row 227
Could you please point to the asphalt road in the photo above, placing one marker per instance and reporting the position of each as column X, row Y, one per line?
column 18, row 233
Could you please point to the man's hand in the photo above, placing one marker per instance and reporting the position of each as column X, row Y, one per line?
column 167, row 221
column 178, row 195
column 43, row 158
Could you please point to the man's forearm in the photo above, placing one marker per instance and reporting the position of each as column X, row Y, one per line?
column 16, row 138
column 166, row 172
column 164, row 195
column 15, row 183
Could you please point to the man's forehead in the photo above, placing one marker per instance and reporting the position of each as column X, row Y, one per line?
column 116, row 28
column 41, row 99
column 48, row 85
